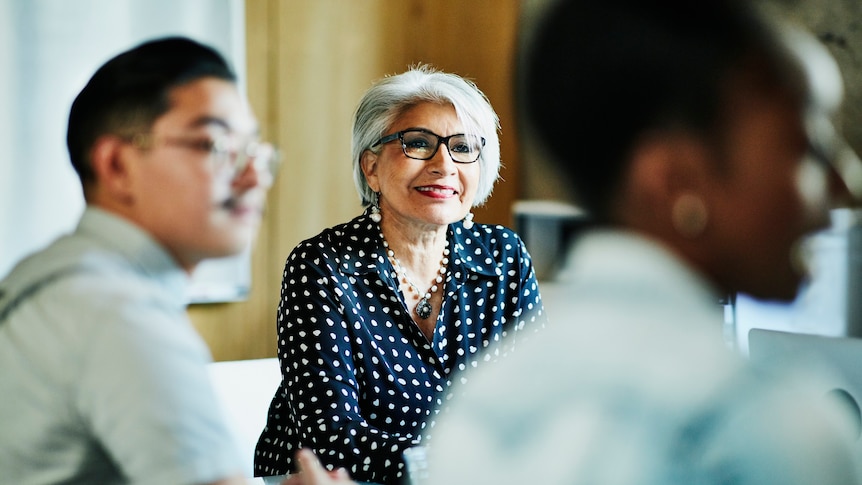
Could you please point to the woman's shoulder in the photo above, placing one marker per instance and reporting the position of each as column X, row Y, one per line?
column 486, row 243
column 490, row 235
column 360, row 228
column 355, row 237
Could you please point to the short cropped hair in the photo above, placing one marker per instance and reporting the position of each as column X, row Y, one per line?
column 393, row 95
column 600, row 75
column 130, row 91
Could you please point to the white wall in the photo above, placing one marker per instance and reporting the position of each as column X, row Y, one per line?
column 48, row 51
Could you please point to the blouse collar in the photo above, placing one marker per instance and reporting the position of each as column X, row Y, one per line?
column 469, row 255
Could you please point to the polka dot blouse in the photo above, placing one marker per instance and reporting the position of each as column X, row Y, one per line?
column 360, row 380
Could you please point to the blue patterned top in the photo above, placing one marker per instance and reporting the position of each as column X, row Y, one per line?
column 360, row 379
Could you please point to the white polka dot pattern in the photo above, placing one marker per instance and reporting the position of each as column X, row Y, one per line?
column 360, row 380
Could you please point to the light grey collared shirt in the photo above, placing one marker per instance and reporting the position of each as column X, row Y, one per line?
column 103, row 379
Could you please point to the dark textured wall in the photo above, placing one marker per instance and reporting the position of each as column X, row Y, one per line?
column 838, row 24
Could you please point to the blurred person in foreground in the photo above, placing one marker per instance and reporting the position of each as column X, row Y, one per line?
column 104, row 380
column 687, row 131
column 380, row 314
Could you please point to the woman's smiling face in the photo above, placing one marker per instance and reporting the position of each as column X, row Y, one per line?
column 433, row 192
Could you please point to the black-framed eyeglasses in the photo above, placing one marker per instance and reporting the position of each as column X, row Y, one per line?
column 423, row 145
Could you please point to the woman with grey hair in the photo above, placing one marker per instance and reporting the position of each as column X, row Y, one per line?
column 380, row 314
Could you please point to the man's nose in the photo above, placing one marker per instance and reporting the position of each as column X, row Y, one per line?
column 250, row 176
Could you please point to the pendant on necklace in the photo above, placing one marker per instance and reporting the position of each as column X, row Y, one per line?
column 423, row 308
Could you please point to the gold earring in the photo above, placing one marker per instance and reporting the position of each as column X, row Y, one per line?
column 689, row 216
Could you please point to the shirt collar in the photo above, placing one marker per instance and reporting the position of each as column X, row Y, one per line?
column 469, row 254
column 136, row 245
column 605, row 255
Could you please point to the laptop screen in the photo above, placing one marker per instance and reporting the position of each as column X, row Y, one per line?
column 835, row 363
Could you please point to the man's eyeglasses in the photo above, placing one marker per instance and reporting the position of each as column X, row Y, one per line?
column 423, row 145
column 224, row 152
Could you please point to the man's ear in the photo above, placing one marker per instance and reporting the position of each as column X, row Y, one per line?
column 368, row 163
column 110, row 162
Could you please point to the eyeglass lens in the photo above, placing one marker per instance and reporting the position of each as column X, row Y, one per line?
column 422, row 145
column 262, row 156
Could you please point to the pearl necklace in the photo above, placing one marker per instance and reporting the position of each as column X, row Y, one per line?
column 423, row 308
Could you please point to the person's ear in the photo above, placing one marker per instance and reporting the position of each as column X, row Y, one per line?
column 667, row 164
column 649, row 171
column 111, row 169
column 368, row 163
column 667, row 180
column 691, row 177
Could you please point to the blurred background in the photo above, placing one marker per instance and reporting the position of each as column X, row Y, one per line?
column 304, row 64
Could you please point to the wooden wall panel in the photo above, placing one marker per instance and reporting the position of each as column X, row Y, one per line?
column 475, row 39
column 309, row 61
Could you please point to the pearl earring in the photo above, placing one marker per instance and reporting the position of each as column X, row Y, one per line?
column 375, row 208
column 468, row 221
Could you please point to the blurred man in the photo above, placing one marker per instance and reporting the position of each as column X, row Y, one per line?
column 103, row 378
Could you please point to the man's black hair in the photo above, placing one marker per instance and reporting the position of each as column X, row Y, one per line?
column 130, row 91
